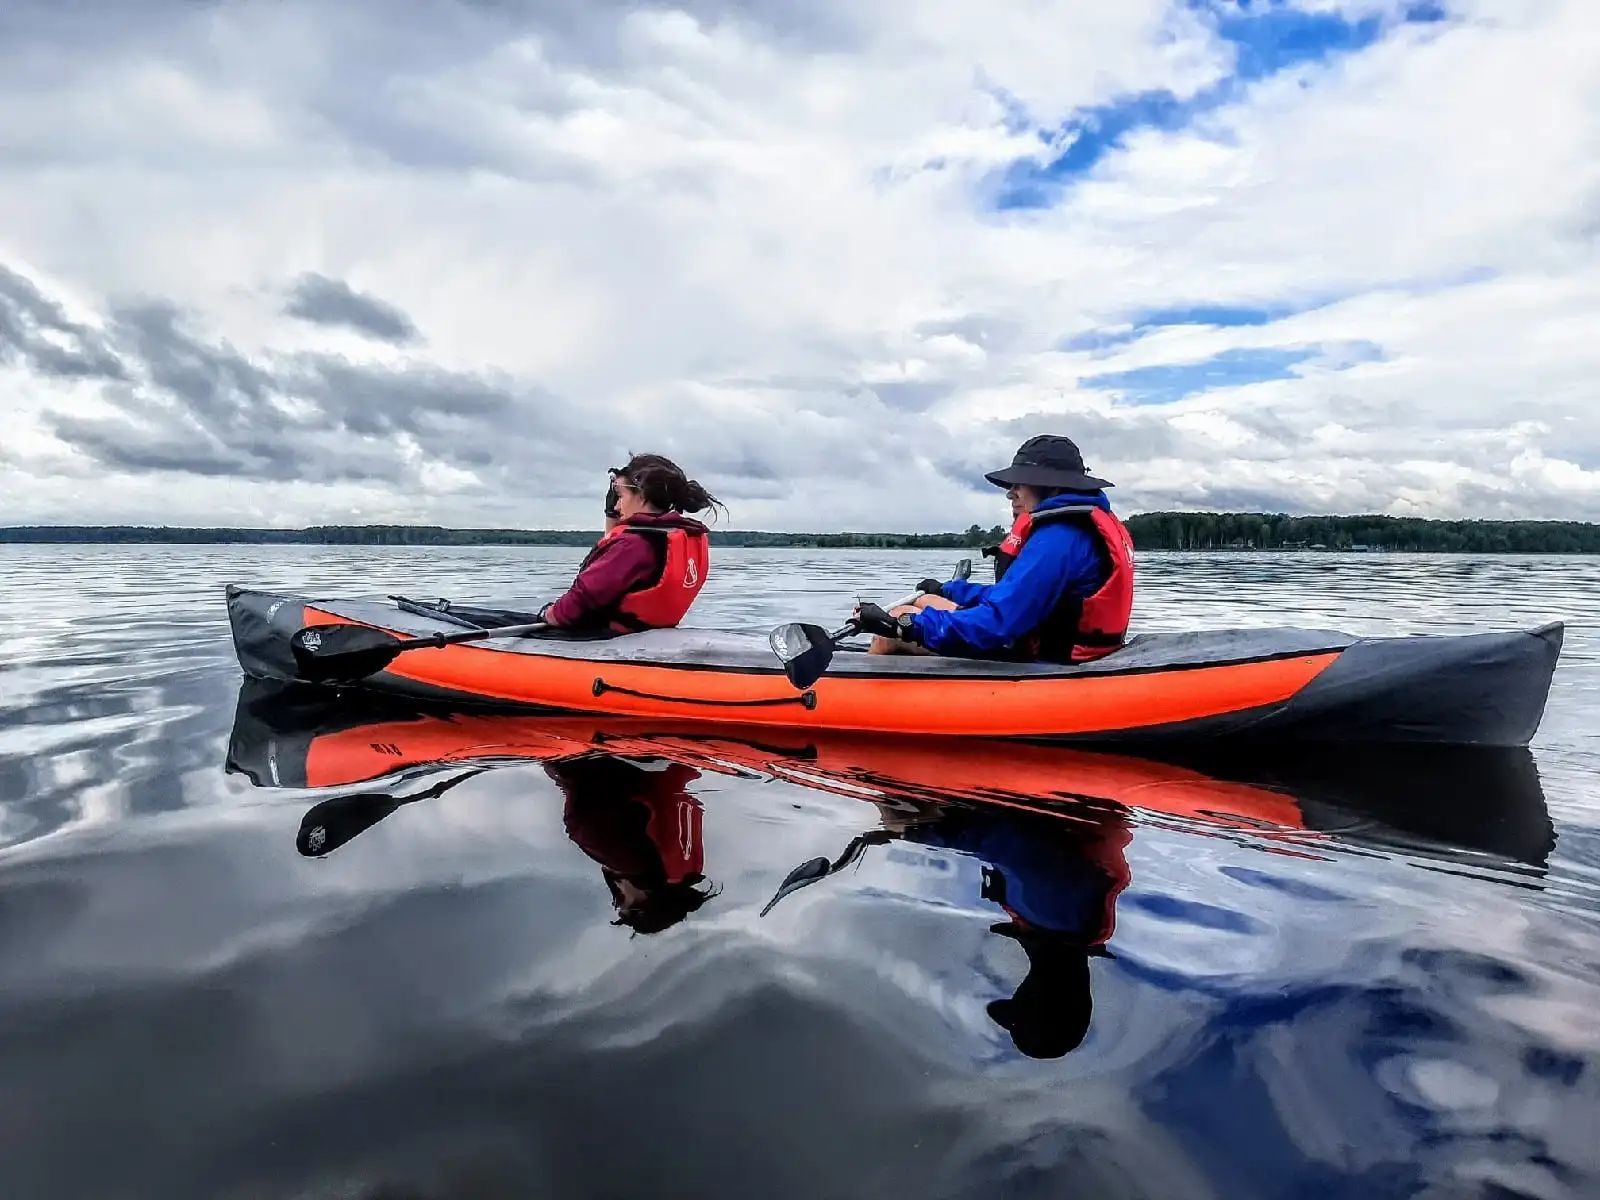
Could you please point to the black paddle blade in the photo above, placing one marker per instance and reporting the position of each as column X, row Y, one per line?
column 806, row 873
column 331, row 824
column 804, row 650
column 342, row 653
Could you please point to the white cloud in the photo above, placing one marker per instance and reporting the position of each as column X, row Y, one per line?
column 761, row 240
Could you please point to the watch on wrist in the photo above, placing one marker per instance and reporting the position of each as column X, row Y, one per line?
column 907, row 623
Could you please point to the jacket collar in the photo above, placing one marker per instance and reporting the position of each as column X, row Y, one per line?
column 1075, row 499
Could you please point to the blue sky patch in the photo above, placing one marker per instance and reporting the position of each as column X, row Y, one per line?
column 1223, row 315
column 1426, row 14
column 1166, row 383
column 1091, row 341
column 1090, row 134
column 1210, row 314
column 1271, row 37
column 1267, row 36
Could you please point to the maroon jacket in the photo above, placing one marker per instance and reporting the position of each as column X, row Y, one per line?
column 612, row 571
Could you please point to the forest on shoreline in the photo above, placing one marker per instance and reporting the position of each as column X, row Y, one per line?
column 1151, row 531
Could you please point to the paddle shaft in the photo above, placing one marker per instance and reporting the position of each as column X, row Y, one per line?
column 346, row 653
column 472, row 635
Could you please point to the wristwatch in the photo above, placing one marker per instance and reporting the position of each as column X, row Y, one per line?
column 907, row 623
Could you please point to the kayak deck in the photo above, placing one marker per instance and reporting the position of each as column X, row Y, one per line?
column 1278, row 683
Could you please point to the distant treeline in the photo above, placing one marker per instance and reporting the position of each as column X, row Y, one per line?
column 1151, row 531
column 1275, row 531
column 435, row 535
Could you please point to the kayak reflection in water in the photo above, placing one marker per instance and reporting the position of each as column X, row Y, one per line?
column 1055, row 880
column 637, row 819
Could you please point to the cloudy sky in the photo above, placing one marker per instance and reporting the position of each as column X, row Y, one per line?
column 289, row 262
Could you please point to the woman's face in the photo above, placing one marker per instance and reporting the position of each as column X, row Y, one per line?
column 1024, row 498
column 629, row 501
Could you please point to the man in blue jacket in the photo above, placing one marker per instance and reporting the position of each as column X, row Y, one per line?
column 1063, row 578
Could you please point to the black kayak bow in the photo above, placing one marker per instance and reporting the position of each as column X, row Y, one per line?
column 346, row 653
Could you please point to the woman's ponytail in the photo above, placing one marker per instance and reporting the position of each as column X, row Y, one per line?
column 694, row 498
column 663, row 485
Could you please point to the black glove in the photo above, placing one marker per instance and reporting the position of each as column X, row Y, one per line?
column 871, row 618
column 931, row 586
column 612, row 499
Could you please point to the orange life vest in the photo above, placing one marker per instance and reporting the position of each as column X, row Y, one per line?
column 662, row 603
column 1081, row 628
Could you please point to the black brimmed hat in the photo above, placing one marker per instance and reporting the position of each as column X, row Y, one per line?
column 1047, row 461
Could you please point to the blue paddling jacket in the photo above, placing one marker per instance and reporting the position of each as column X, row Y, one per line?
column 1063, row 558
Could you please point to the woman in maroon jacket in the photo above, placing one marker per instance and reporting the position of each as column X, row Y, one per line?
column 651, row 564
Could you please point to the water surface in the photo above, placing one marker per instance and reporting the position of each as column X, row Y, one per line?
column 1027, row 972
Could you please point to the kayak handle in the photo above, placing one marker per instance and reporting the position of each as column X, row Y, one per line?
column 806, row 700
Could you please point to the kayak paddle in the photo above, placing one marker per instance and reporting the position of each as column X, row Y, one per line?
column 331, row 823
column 816, row 869
column 806, row 650
column 346, row 653
column 802, row 876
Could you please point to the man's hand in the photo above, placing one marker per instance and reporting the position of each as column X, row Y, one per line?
column 897, row 626
column 931, row 587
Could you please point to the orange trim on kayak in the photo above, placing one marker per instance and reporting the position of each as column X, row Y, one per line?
column 370, row 751
column 957, row 707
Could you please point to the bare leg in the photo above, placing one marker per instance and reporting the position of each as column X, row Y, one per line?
column 883, row 645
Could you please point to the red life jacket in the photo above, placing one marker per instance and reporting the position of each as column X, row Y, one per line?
column 660, row 604
column 1081, row 628
column 1006, row 552
column 674, row 828
column 602, row 821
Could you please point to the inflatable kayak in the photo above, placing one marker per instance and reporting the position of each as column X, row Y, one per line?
column 1279, row 684
column 1429, row 799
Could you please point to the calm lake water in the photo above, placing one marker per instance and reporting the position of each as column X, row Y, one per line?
column 1312, row 975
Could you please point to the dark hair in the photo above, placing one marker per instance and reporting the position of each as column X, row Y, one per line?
column 662, row 484
column 664, row 904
